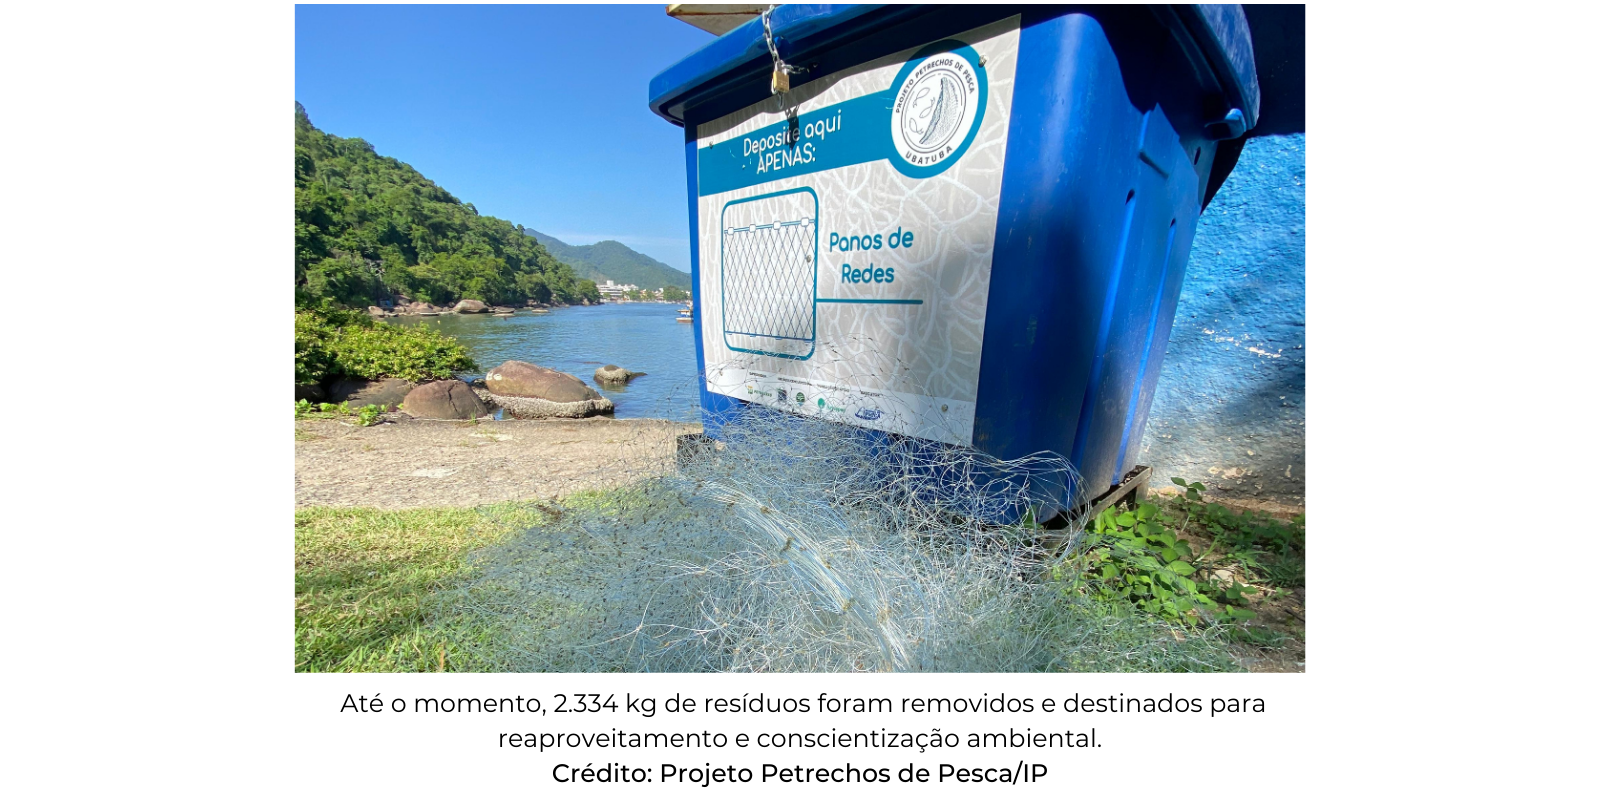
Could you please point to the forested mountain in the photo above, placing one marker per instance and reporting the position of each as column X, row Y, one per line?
column 368, row 227
column 613, row 260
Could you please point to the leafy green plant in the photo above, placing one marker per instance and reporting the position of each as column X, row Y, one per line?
column 1135, row 556
column 390, row 351
column 1144, row 557
column 1269, row 549
column 1139, row 557
column 365, row 416
column 331, row 343
column 305, row 408
column 312, row 332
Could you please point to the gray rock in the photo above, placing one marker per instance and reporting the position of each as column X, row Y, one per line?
column 470, row 306
column 449, row 399
column 310, row 392
column 389, row 392
column 529, row 390
column 521, row 379
column 611, row 373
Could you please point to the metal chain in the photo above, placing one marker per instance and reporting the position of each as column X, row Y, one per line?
column 780, row 69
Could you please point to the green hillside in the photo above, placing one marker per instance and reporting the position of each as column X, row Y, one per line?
column 613, row 260
column 368, row 228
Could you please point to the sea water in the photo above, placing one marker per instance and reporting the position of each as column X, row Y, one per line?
column 643, row 337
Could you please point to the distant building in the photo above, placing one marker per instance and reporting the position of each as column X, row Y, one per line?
column 614, row 290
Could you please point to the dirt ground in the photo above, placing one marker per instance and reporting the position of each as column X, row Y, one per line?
column 405, row 463
column 1285, row 613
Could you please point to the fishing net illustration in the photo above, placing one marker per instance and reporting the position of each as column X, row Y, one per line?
column 769, row 274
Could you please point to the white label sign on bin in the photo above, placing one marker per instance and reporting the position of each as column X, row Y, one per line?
column 845, row 248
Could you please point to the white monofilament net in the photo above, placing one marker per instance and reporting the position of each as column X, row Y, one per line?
column 793, row 544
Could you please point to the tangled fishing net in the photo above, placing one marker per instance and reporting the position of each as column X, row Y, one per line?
column 797, row 544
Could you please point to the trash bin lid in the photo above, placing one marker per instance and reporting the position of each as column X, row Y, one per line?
column 1218, row 34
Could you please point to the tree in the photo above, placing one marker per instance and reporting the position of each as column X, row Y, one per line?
column 369, row 227
column 345, row 279
column 533, row 286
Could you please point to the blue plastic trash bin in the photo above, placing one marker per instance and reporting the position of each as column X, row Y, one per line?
column 964, row 224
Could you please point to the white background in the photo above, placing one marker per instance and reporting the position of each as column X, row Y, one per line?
column 148, row 541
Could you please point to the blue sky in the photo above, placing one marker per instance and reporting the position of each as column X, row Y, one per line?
column 534, row 114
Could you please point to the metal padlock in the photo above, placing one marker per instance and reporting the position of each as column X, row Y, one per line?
column 780, row 81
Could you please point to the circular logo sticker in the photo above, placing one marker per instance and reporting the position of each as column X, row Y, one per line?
column 939, row 97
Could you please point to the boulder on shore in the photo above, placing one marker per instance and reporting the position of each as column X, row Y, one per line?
column 529, row 390
column 376, row 311
column 611, row 373
column 448, row 399
column 389, row 392
column 470, row 306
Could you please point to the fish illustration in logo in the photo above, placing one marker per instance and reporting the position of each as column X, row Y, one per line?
column 936, row 111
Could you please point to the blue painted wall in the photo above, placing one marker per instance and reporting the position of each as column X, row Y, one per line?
column 1229, row 409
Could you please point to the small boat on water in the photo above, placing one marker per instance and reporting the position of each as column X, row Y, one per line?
column 686, row 314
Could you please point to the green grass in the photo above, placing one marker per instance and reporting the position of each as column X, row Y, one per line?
column 362, row 578
column 388, row 591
